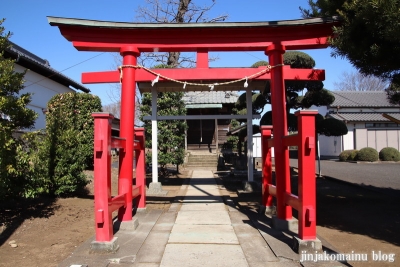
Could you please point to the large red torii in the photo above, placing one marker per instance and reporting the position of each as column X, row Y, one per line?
column 273, row 38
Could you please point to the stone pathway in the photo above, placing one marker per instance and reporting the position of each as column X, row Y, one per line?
column 201, row 228
column 203, row 234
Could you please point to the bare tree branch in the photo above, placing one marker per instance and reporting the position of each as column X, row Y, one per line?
column 356, row 81
column 167, row 11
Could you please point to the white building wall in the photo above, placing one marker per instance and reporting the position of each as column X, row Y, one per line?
column 330, row 145
column 393, row 138
column 42, row 90
column 323, row 110
column 348, row 140
column 257, row 147
column 257, row 153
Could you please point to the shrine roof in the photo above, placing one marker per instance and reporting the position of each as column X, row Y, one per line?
column 213, row 97
column 108, row 36
column 59, row 21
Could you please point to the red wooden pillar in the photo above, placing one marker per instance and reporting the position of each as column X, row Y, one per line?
column 267, row 199
column 279, row 121
column 102, row 174
column 128, row 90
column 307, row 183
column 141, row 168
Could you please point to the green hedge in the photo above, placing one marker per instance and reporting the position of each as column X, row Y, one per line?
column 368, row 154
column 68, row 146
column 348, row 155
column 389, row 154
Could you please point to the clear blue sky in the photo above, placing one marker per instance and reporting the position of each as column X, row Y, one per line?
column 26, row 19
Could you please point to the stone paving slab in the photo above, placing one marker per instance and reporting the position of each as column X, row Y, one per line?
column 203, row 234
column 200, row 191
column 203, row 217
column 201, row 173
column 154, row 243
column 205, row 192
column 129, row 241
column 203, row 187
column 203, row 206
column 165, row 222
column 255, row 248
column 202, row 199
column 201, row 255
column 202, row 181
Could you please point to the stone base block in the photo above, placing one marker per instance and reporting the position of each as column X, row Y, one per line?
column 285, row 225
column 141, row 210
column 103, row 247
column 156, row 189
column 126, row 225
column 268, row 211
column 307, row 246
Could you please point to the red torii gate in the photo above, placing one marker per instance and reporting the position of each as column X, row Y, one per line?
column 274, row 38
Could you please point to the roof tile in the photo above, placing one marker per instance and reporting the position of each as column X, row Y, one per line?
column 360, row 99
column 213, row 97
column 364, row 117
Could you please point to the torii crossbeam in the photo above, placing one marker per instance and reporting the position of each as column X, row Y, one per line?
column 273, row 38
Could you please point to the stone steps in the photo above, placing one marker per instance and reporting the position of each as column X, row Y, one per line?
column 205, row 160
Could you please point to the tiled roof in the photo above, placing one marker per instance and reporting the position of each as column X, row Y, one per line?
column 31, row 61
column 213, row 97
column 360, row 99
column 364, row 117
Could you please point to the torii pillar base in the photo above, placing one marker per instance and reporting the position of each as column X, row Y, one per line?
column 306, row 246
column 104, row 247
column 156, row 189
column 285, row 225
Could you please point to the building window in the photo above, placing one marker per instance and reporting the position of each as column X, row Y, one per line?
column 382, row 125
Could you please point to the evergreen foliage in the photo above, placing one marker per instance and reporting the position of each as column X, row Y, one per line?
column 315, row 95
column 266, row 119
column 368, row 36
column 14, row 116
column 348, row 155
column 68, row 145
column 389, row 154
column 367, row 154
column 232, row 140
column 332, row 127
column 171, row 133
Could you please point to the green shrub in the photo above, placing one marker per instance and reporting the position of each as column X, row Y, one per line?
column 231, row 142
column 68, row 147
column 389, row 154
column 344, row 155
column 14, row 116
column 367, row 154
column 348, row 155
column 353, row 154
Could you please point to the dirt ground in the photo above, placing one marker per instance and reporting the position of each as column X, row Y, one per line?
column 350, row 218
column 45, row 231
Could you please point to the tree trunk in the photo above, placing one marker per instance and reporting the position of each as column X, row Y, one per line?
column 173, row 57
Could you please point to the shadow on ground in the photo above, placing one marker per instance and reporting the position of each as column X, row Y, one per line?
column 363, row 210
column 13, row 213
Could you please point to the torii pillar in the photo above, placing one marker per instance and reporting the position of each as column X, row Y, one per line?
column 127, row 125
column 279, row 121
